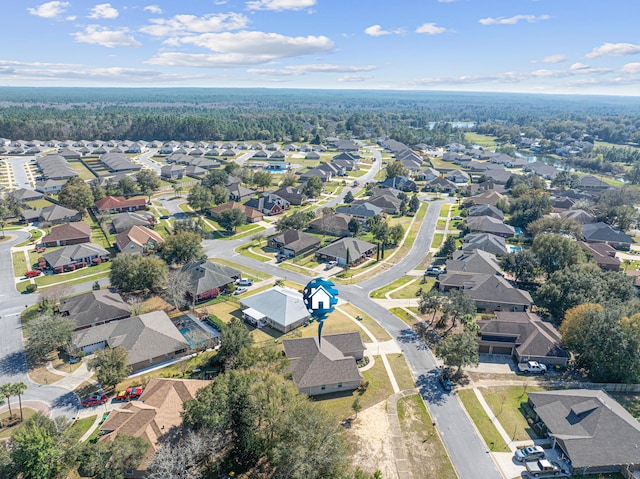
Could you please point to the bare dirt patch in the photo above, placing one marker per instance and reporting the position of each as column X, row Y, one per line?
column 370, row 434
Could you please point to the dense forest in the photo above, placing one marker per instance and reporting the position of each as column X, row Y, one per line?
column 305, row 115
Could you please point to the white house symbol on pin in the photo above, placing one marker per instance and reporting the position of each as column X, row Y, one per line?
column 320, row 298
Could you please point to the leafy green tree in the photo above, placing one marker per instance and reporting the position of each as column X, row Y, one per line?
column 148, row 182
column 448, row 247
column 396, row 169
column 47, row 333
column 414, row 204
column 583, row 283
column 555, row 224
column 288, row 179
column 11, row 206
column 522, row 264
column 298, row 220
column 556, row 252
column 529, row 207
column 356, row 406
column 200, row 198
column 354, row 226
column 313, row 187
column 219, row 194
column 565, row 180
column 455, row 305
column 348, row 198
column 110, row 366
column 181, row 248
column 137, row 273
column 127, row 187
column 233, row 339
column 232, row 218
column 459, row 350
column 381, row 232
column 111, row 460
column 192, row 225
column 97, row 191
column 262, row 179
column 215, row 177
column 430, row 303
column 76, row 194
column 396, row 233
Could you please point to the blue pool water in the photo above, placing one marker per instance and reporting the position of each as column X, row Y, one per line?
column 513, row 249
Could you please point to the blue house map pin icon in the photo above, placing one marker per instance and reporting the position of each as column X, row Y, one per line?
column 320, row 297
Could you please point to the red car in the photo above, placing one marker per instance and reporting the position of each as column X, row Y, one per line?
column 134, row 392
column 94, row 400
column 33, row 273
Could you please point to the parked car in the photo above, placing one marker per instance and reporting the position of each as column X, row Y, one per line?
column 33, row 273
column 530, row 453
column 542, row 466
column 244, row 282
column 241, row 290
column 445, row 382
column 457, row 217
column 165, row 217
column 434, row 271
column 94, row 400
column 532, row 367
column 129, row 393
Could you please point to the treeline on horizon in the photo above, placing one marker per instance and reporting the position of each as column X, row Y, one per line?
column 303, row 115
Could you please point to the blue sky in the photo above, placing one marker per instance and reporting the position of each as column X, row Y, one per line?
column 544, row 46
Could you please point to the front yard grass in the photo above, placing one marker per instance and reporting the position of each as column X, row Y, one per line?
column 27, row 412
column 487, row 430
column 411, row 289
column 338, row 405
column 437, row 240
column 505, row 402
column 251, row 273
column 20, row 266
column 441, row 225
column 444, row 211
column 81, row 426
column 401, row 371
column 398, row 283
column 425, row 451
column 249, row 251
column 405, row 316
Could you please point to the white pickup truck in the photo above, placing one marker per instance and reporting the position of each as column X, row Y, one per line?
column 532, row 367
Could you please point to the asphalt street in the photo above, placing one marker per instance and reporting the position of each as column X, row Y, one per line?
column 144, row 159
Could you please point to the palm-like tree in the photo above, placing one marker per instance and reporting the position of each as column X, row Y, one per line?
column 18, row 389
column 6, row 391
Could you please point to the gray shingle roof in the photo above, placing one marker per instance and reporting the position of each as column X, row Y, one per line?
column 205, row 275
column 71, row 254
column 486, row 242
column 603, row 232
column 366, row 210
column 473, row 261
column 94, row 307
column 488, row 224
column 119, row 162
column 282, row 305
column 124, row 221
column 338, row 249
column 590, row 426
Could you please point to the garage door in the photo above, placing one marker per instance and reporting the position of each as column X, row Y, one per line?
column 483, row 349
column 501, row 350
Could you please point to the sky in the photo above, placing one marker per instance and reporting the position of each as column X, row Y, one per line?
column 534, row 46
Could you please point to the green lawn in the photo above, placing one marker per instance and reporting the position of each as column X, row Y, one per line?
column 441, row 225
column 35, row 235
column 20, row 265
column 412, row 289
column 380, row 293
column 505, row 402
column 81, row 426
column 401, row 371
column 338, row 405
column 74, row 277
column 425, row 451
column 41, row 203
column 486, row 141
column 488, row 431
column 444, row 211
column 250, row 272
column 374, row 328
column 404, row 316
column 83, row 171
column 27, row 412
column 437, row 240
column 245, row 251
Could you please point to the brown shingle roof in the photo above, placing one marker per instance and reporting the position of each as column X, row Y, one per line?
column 138, row 235
column 68, row 231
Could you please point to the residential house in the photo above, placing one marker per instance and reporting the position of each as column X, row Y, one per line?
column 345, row 145
column 581, row 216
column 593, row 431
column 153, row 417
column 383, row 198
column 427, row 174
column 489, row 197
column 67, row 234
column 119, row 204
column 361, row 212
column 69, row 153
column 343, row 163
column 525, row 336
column 458, row 176
column 324, row 175
column 509, row 161
column 490, row 292
column 312, row 155
column 486, row 210
column 252, row 214
column 347, row 251
column 499, row 176
column 592, row 184
column 149, row 339
column 441, row 184
column 473, row 261
column 138, row 240
column 281, row 308
column 488, row 224
column 195, row 171
column 269, row 204
column 603, row 255
column 56, row 167
column 603, row 233
column 336, row 224
column 24, row 194
column 486, row 242
column 563, row 203
column 172, row 172
column 49, row 187
column 237, row 192
column 53, row 215
column 548, row 172
column 207, row 280
column 123, row 221
column 326, row 366
column 93, row 308
column 293, row 243
column 401, row 183
column 116, row 162
column 70, row 258
column 293, row 194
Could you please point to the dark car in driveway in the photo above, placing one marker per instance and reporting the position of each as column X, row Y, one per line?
column 445, row 382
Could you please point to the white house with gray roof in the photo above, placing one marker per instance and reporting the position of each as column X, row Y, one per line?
column 281, row 308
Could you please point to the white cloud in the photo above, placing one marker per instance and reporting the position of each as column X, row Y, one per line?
column 104, row 10
column 354, row 78
column 551, row 59
column 431, row 29
column 376, row 31
column 98, row 35
column 155, row 9
column 578, row 66
column 630, row 69
column 296, row 70
column 241, row 48
column 280, row 5
column 614, row 49
column 185, row 24
column 49, row 9
column 513, row 20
